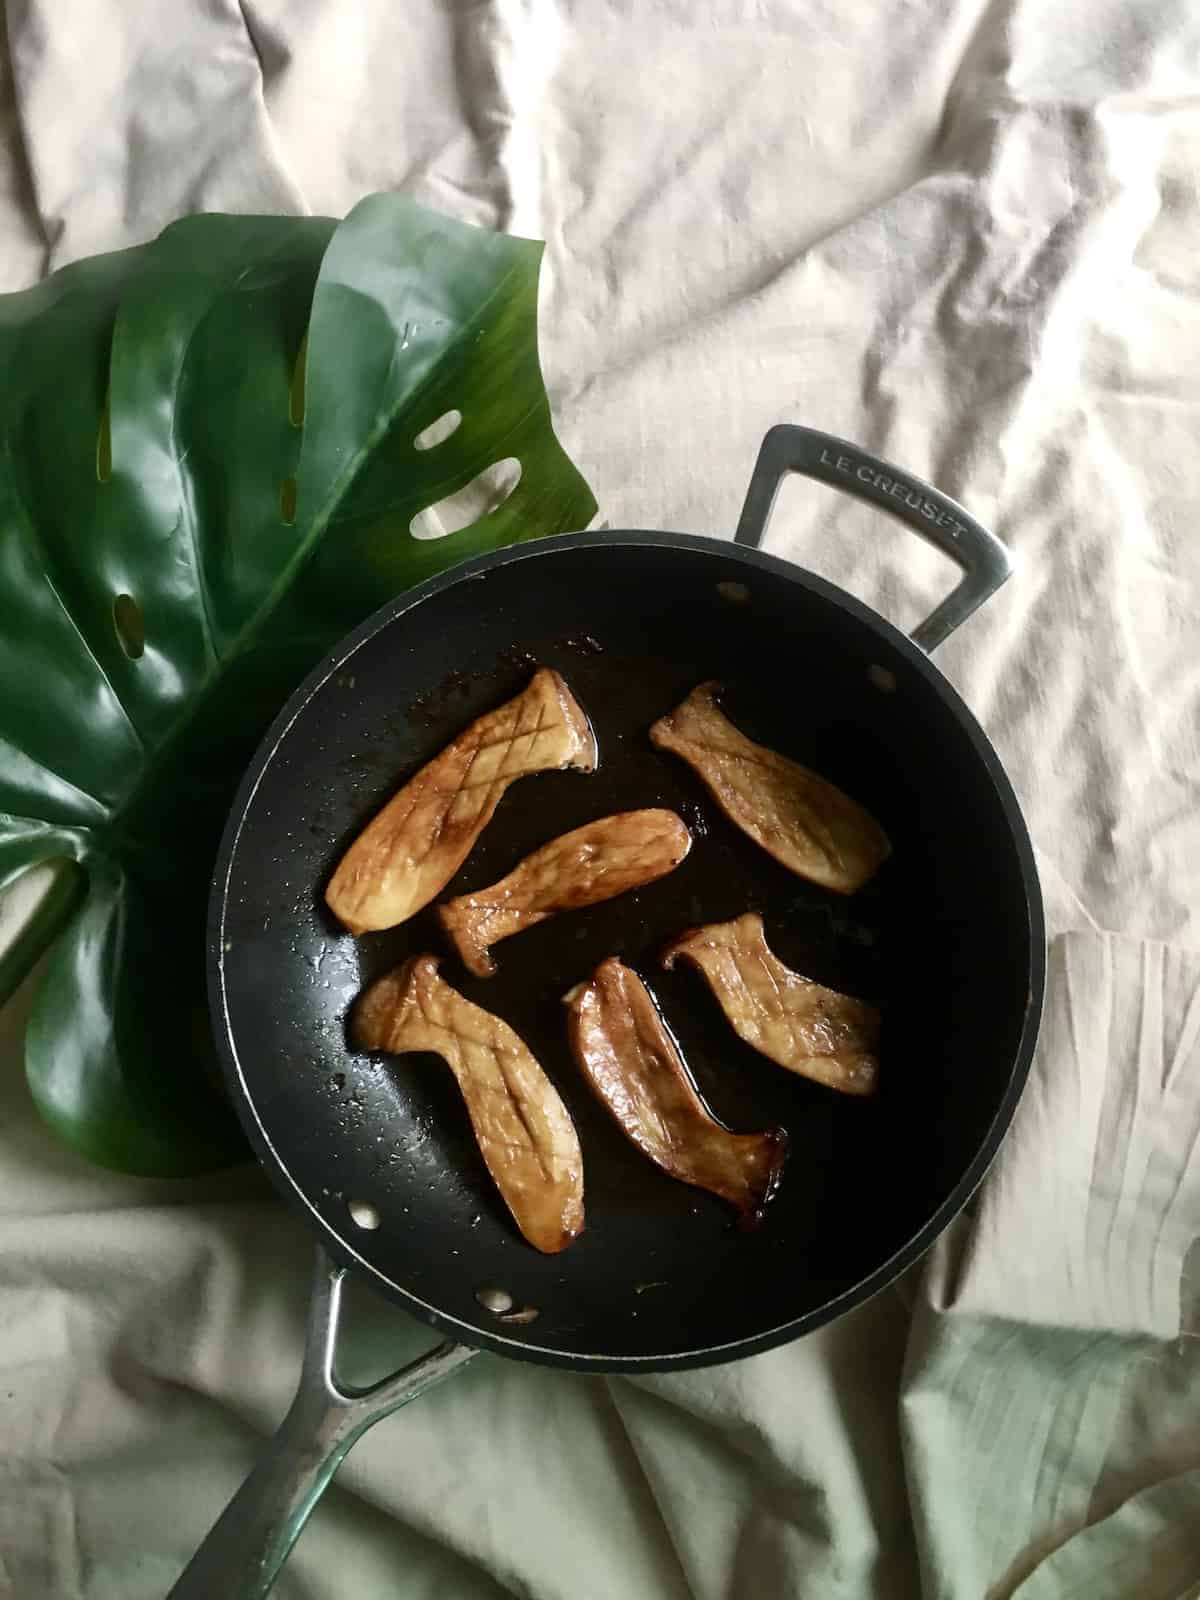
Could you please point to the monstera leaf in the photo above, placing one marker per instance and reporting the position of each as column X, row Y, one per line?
column 211, row 458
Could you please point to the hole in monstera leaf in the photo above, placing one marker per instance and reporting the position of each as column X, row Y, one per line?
column 296, row 395
column 104, row 447
column 287, row 500
column 131, row 629
column 438, row 432
column 484, row 494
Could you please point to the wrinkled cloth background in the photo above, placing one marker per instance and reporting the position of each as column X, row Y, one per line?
column 965, row 235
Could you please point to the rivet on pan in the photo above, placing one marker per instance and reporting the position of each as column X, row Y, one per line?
column 495, row 1300
column 362, row 1212
column 736, row 593
column 883, row 678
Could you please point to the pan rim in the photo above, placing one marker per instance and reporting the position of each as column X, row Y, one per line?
column 526, row 1347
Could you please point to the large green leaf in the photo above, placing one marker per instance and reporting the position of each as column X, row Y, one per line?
column 219, row 425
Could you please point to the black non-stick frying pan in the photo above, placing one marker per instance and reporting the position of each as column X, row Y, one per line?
column 378, row 1156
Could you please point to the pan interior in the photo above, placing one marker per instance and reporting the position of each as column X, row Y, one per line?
column 942, row 941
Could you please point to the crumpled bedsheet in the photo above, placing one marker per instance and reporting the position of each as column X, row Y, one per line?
column 965, row 236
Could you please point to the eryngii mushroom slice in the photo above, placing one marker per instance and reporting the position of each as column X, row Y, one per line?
column 411, row 849
column 807, row 824
column 810, row 1030
column 628, row 1057
column 597, row 862
column 524, row 1132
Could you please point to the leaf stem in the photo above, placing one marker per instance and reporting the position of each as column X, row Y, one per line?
column 49, row 917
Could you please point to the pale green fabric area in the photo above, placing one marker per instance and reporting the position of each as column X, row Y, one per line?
column 1050, row 1402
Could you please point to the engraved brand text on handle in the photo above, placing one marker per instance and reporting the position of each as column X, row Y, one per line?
column 889, row 484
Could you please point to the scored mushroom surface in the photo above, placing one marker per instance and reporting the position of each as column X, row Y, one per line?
column 813, row 1031
column 801, row 819
column 409, row 851
column 524, row 1132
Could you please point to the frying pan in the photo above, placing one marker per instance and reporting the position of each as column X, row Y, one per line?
column 377, row 1155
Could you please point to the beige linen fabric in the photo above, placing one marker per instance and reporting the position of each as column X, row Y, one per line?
column 964, row 235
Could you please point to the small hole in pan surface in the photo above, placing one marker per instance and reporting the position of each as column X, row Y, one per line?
column 363, row 1213
column 496, row 1300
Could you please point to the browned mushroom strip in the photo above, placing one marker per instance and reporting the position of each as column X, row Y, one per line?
column 813, row 1031
column 631, row 1061
column 524, row 1131
column 593, row 863
column 809, row 826
column 412, row 848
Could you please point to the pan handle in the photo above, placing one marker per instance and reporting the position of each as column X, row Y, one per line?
column 249, row 1542
column 984, row 560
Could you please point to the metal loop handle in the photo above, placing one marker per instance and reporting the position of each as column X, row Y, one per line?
column 249, row 1542
column 984, row 560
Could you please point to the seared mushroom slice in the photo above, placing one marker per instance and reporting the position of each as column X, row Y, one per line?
column 525, row 1133
column 596, row 862
column 626, row 1054
column 810, row 827
column 411, row 849
column 810, row 1030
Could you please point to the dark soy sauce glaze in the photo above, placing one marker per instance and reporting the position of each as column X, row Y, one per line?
column 829, row 938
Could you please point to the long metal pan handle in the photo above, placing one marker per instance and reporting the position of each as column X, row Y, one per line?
column 984, row 561
column 249, row 1542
